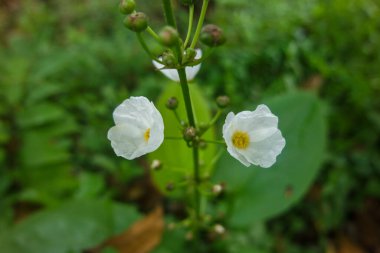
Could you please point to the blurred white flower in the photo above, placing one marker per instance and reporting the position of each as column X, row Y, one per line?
column 138, row 130
column 253, row 137
column 172, row 74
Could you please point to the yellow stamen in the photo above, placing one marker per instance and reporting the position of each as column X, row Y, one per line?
column 240, row 140
column 147, row 135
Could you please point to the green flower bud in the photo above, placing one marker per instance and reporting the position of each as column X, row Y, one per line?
column 190, row 133
column 189, row 55
column 169, row 36
column 212, row 36
column 188, row 2
column 169, row 187
column 169, row 59
column 223, row 101
column 172, row 103
column 127, row 6
column 136, row 22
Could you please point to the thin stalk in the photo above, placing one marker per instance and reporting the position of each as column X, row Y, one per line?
column 216, row 117
column 170, row 20
column 169, row 13
column 215, row 142
column 197, row 196
column 173, row 138
column 190, row 116
column 186, row 96
column 146, row 49
column 177, row 117
column 200, row 24
column 190, row 28
column 153, row 34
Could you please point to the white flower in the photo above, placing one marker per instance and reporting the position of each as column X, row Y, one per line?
column 253, row 137
column 139, row 128
column 172, row 74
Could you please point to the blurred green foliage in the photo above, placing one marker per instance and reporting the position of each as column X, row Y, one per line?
column 65, row 65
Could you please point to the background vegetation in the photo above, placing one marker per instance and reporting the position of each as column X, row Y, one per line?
column 65, row 65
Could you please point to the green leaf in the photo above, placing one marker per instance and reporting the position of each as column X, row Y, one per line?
column 175, row 155
column 41, row 149
column 90, row 185
column 41, row 114
column 257, row 194
column 73, row 227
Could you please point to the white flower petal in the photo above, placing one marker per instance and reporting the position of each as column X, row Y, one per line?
column 238, row 156
column 139, row 128
column 172, row 74
column 264, row 153
column 263, row 141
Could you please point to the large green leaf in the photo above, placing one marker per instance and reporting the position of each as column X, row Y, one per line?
column 175, row 155
column 257, row 194
column 73, row 227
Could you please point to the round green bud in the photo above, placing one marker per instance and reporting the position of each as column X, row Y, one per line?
column 223, row 101
column 189, row 133
column 136, row 22
column 212, row 36
column 169, row 36
column 189, row 55
column 127, row 6
column 172, row 103
column 168, row 59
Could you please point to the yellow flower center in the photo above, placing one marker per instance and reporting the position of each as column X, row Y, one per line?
column 147, row 135
column 240, row 140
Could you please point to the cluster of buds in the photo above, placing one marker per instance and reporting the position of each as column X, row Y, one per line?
column 251, row 137
column 176, row 53
column 135, row 21
column 193, row 135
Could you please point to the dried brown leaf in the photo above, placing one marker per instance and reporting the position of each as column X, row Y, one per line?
column 142, row 237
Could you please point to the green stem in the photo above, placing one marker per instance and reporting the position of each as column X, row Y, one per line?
column 146, row 49
column 169, row 13
column 186, row 96
column 170, row 20
column 197, row 196
column 177, row 117
column 215, row 142
column 200, row 24
column 173, row 138
column 190, row 28
column 216, row 117
column 153, row 34
column 190, row 116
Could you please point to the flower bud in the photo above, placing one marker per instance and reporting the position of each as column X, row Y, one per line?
column 189, row 55
column 190, row 133
column 156, row 165
column 136, row 22
column 219, row 229
column 172, row 103
column 222, row 101
column 127, row 6
column 217, row 189
column 212, row 36
column 169, row 187
column 169, row 60
column 169, row 36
